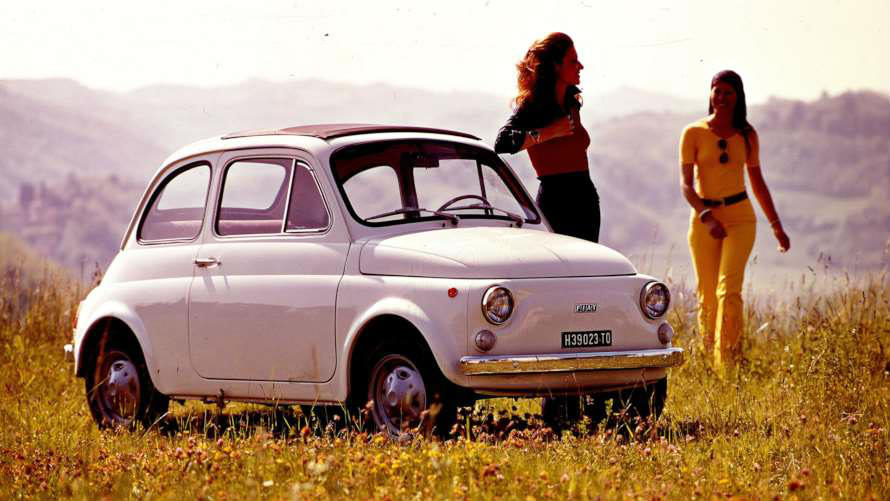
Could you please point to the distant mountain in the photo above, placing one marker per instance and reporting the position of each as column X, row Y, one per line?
column 44, row 141
column 77, row 159
column 629, row 100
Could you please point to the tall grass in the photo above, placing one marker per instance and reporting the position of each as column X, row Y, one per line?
column 805, row 417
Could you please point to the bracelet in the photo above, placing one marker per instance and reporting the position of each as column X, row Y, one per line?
column 702, row 214
column 535, row 134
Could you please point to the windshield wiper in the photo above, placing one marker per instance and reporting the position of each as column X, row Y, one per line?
column 516, row 218
column 407, row 210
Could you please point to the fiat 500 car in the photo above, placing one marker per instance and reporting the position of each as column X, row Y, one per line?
column 400, row 270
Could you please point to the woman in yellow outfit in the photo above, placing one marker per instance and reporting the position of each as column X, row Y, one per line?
column 713, row 153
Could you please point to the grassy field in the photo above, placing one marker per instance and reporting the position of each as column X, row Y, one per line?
column 806, row 417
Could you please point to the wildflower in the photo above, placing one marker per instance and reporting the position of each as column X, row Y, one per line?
column 317, row 468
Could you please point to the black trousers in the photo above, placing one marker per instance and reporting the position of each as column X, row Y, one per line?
column 571, row 204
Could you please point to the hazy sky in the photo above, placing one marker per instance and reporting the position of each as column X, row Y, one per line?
column 784, row 48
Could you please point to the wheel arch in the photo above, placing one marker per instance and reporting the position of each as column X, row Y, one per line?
column 111, row 327
column 378, row 330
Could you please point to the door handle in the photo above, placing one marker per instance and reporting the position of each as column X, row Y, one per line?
column 207, row 262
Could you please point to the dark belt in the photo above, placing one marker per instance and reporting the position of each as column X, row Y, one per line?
column 732, row 199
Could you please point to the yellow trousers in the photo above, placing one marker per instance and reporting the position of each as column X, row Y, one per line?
column 720, row 272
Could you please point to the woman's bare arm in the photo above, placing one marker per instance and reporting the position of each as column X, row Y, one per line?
column 765, row 199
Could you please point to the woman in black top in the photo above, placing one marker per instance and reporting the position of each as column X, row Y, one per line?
column 547, row 123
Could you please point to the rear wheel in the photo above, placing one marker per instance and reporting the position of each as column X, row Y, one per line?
column 119, row 390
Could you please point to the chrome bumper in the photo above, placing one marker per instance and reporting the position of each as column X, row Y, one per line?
column 568, row 362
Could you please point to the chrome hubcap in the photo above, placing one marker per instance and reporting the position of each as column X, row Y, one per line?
column 399, row 394
column 120, row 393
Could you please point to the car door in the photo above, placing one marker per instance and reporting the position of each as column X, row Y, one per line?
column 154, row 273
column 263, row 301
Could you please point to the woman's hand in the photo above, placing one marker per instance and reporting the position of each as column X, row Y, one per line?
column 784, row 241
column 563, row 126
column 715, row 227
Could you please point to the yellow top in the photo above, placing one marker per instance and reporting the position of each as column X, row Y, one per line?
column 714, row 180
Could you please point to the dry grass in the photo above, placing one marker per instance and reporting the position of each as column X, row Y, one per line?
column 805, row 418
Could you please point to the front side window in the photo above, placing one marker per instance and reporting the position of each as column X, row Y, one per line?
column 254, row 197
column 177, row 207
column 395, row 182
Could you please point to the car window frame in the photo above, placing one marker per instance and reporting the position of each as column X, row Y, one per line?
column 318, row 188
column 162, row 184
column 283, row 232
column 520, row 194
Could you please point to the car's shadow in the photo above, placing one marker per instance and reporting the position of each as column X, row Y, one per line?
column 279, row 422
column 286, row 422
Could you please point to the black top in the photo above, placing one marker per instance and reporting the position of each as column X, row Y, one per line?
column 511, row 136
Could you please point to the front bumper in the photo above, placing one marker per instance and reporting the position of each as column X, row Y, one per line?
column 570, row 362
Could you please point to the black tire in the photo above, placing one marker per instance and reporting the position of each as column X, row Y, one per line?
column 643, row 401
column 420, row 399
column 119, row 390
column 562, row 413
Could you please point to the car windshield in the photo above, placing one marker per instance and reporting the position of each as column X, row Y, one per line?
column 392, row 182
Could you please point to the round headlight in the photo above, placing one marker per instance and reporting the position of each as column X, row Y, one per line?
column 497, row 305
column 655, row 299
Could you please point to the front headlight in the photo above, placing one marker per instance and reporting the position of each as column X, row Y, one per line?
column 497, row 304
column 655, row 299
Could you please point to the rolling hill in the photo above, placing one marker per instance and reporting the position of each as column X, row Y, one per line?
column 76, row 160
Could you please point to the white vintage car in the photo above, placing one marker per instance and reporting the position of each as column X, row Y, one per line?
column 402, row 267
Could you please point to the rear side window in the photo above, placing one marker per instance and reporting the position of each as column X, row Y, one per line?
column 177, row 207
column 254, row 197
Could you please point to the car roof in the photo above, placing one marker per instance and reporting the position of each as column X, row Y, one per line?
column 331, row 131
column 310, row 137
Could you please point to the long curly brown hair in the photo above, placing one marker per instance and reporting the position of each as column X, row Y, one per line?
column 537, row 71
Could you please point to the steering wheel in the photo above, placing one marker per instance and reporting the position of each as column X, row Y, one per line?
column 465, row 197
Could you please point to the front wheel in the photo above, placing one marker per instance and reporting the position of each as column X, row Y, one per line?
column 119, row 390
column 643, row 401
column 407, row 394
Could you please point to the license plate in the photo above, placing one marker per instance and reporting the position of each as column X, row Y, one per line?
column 586, row 339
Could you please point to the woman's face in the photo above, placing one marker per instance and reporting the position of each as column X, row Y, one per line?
column 723, row 97
column 569, row 70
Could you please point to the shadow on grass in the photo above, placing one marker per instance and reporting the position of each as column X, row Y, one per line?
column 280, row 422
column 480, row 425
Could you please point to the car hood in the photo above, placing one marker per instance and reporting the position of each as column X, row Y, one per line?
column 487, row 252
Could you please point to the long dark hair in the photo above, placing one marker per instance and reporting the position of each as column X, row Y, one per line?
column 537, row 72
column 740, row 112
